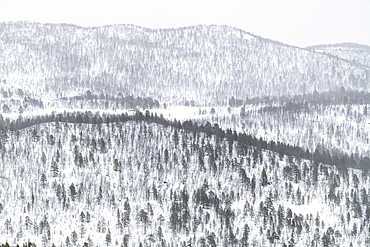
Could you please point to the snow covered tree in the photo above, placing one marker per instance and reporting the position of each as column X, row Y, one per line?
column 74, row 237
column 43, row 158
column 82, row 230
column 54, row 168
column 68, row 242
column 143, row 217
column 82, row 217
column 264, row 180
column 291, row 240
column 245, row 236
column 126, row 214
column 159, row 233
column 43, row 180
column 44, row 241
column 108, row 238
column 119, row 224
column 117, row 165
column 175, row 138
column 88, row 217
column 72, row 192
column 90, row 242
column 8, row 226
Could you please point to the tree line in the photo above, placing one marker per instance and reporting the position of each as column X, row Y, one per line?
column 299, row 101
column 320, row 155
column 128, row 100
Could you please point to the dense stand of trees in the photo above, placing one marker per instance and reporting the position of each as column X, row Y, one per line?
column 128, row 101
column 172, row 65
column 14, row 100
column 26, row 244
column 171, row 182
column 339, row 97
column 342, row 161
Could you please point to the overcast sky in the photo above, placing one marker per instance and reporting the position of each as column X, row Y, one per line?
column 295, row 22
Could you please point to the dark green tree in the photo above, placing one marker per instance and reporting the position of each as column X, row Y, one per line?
column 175, row 138
column 74, row 237
column 88, row 217
column 82, row 230
column 143, row 218
column 54, row 168
column 126, row 214
column 43, row 158
column 82, row 217
column 68, row 242
column 264, row 181
column 72, row 192
column 291, row 242
column 8, row 225
column 245, row 236
column 117, row 165
column 43, row 180
column 108, row 238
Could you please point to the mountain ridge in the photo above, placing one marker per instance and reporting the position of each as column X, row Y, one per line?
column 207, row 64
column 352, row 52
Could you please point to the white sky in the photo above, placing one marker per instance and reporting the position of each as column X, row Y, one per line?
column 295, row 22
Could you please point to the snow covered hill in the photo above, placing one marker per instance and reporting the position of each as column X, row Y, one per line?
column 206, row 64
column 139, row 182
column 343, row 128
column 356, row 53
column 248, row 142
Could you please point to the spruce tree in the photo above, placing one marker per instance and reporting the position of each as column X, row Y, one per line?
column 264, row 181
column 43, row 180
column 245, row 236
column 108, row 238
column 54, row 169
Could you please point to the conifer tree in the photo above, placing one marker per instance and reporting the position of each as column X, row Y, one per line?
column 72, row 192
column 291, row 240
column 159, row 233
column 74, row 237
column 8, row 225
column 43, row 180
column 119, row 224
column 90, row 242
column 82, row 230
column 175, row 138
column 54, row 169
column 44, row 241
column 88, row 217
column 68, row 242
column 82, row 217
column 43, row 158
column 264, row 181
column 108, row 238
column 117, row 165
column 245, row 236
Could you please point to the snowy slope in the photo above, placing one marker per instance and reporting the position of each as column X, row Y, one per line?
column 194, row 187
column 206, row 64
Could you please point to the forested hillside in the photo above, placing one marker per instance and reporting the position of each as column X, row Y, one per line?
column 206, row 64
column 197, row 136
column 165, row 183
column 342, row 128
column 355, row 53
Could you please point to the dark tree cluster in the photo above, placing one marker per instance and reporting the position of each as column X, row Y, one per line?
column 342, row 161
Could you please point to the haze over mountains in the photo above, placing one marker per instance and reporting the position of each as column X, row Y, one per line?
column 206, row 64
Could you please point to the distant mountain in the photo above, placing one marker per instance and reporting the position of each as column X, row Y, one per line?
column 207, row 64
column 355, row 53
